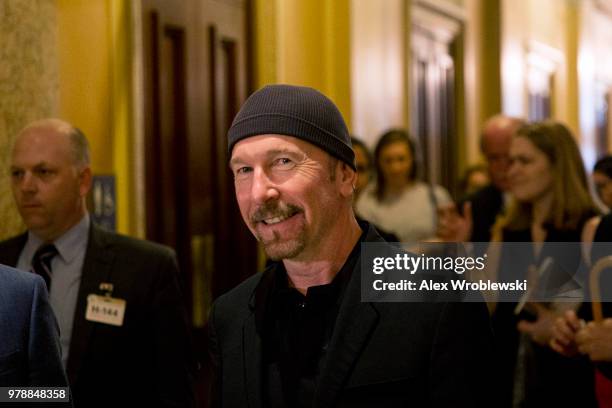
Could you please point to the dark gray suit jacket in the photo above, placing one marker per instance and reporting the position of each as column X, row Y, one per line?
column 487, row 204
column 380, row 354
column 148, row 360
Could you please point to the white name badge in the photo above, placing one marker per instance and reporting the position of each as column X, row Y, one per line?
column 105, row 309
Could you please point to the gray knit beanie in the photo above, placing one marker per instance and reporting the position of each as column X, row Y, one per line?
column 296, row 111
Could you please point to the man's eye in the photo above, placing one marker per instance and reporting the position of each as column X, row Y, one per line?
column 43, row 172
column 243, row 170
column 16, row 173
column 283, row 162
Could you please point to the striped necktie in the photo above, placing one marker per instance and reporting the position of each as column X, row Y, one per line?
column 41, row 262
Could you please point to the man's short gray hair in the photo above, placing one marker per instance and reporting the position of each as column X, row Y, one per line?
column 80, row 146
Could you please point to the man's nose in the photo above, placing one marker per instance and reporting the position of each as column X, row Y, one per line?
column 28, row 184
column 263, row 189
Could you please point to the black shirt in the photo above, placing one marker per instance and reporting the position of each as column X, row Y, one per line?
column 296, row 330
column 545, row 371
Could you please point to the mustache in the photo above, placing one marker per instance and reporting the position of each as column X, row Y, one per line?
column 272, row 210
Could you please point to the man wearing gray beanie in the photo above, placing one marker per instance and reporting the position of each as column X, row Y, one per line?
column 298, row 334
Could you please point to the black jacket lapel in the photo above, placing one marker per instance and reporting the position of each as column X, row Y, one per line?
column 96, row 269
column 251, row 339
column 252, row 361
column 11, row 249
column 355, row 323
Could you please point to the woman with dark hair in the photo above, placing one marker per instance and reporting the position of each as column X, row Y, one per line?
column 602, row 178
column 551, row 203
column 363, row 161
column 399, row 202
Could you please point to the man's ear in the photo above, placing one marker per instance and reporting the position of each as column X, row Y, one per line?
column 85, row 180
column 346, row 178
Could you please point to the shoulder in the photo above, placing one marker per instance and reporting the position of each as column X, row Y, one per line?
column 238, row 298
column 589, row 229
column 442, row 194
column 230, row 310
column 13, row 279
column 21, row 294
column 128, row 246
column 368, row 196
column 135, row 266
column 604, row 229
column 19, row 287
column 16, row 241
column 485, row 194
column 422, row 192
column 367, row 204
column 417, row 187
column 11, row 248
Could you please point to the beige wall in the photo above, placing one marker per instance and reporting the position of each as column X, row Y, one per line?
column 84, row 46
column 28, row 83
column 96, row 62
column 305, row 43
column 378, row 67
column 472, row 74
column 266, row 35
column 594, row 70
column 543, row 27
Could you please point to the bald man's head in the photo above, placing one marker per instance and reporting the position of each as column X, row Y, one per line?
column 495, row 141
column 50, row 177
column 78, row 141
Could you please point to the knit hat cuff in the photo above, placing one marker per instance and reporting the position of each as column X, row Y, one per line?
column 289, row 125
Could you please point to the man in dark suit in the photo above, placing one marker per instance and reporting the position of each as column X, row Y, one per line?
column 123, row 325
column 30, row 353
column 299, row 334
column 480, row 210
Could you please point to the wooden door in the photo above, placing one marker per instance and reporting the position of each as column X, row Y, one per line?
column 433, row 80
column 196, row 55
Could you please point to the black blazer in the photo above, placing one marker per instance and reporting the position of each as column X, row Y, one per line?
column 487, row 204
column 380, row 354
column 145, row 362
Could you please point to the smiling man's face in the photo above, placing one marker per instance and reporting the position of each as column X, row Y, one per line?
column 287, row 193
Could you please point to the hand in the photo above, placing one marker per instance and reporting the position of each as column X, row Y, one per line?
column 540, row 331
column 452, row 226
column 564, row 334
column 595, row 340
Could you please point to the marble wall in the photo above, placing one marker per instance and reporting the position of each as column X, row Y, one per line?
column 29, row 85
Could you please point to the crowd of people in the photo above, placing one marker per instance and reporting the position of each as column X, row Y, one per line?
column 536, row 191
column 105, row 315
